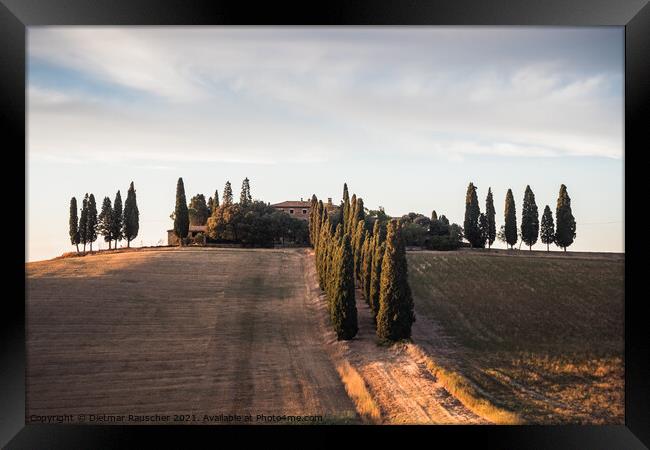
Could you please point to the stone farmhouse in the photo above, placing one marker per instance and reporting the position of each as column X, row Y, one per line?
column 299, row 208
column 296, row 208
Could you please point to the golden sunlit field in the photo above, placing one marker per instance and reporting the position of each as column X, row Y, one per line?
column 541, row 337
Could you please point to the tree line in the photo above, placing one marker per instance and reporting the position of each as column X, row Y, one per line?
column 113, row 222
column 480, row 228
column 347, row 252
column 248, row 222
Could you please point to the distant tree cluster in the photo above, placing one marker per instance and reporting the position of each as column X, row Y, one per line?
column 435, row 233
column 113, row 222
column 346, row 252
column 480, row 229
column 249, row 222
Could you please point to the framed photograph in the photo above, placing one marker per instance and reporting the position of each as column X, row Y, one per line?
column 357, row 216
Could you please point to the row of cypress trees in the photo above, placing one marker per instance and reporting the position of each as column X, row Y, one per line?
column 480, row 229
column 347, row 252
column 113, row 222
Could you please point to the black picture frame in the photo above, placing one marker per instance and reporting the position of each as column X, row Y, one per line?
column 16, row 15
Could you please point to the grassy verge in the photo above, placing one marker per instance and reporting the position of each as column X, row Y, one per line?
column 358, row 392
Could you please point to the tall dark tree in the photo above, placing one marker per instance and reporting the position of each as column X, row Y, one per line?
column 483, row 230
column 213, row 202
column 490, row 214
column 83, row 222
column 245, row 197
column 395, row 316
column 366, row 264
column 227, row 194
column 434, row 216
column 472, row 213
column 375, row 275
column 91, row 223
column 510, row 219
column 357, row 245
column 344, row 308
column 547, row 231
column 313, row 226
column 131, row 216
column 116, row 228
column 198, row 210
column 105, row 225
column 346, row 203
column 359, row 211
column 74, row 224
column 350, row 223
column 181, row 213
column 529, row 219
column 565, row 232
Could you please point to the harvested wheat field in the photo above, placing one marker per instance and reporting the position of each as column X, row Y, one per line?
column 179, row 333
column 525, row 339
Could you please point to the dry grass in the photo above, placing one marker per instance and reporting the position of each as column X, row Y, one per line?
column 461, row 388
column 358, row 391
column 541, row 338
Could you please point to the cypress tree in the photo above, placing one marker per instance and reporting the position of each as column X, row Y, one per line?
column 346, row 203
column 359, row 236
column 321, row 254
column 105, row 219
column 483, row 230
column 395, row 315
column 131, row 220
column 181, row 213
column 74, row 224
column 333, row 251
column 313, row 203
column 116, row 228
column 375, row 276
column 472, row 213
column 344, row 309
column 83, row 222
column 318, row 220
column 565, row 232
column 227, row 194
column 547, row 232
column 366, row 265
column 245, row 197
column 213, row 203
column 490, row 214
column 91, row 223
column 351, row 224
column 359, row 211
column 434, row 216
column 510, row 219
column 529, row 219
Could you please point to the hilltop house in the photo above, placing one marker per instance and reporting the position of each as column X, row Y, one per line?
column 172, row 239
column 299, row 209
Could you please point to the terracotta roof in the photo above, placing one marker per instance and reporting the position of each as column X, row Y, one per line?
column 292, row 204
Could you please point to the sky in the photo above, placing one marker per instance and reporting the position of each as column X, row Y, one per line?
column 407, row 116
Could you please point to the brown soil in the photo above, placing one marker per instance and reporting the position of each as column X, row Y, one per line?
column 190, row 331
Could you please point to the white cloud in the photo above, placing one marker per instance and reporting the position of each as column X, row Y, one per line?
column 278, row 95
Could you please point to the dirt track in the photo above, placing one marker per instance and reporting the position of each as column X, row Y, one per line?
column 196, row 331
column 396, row 377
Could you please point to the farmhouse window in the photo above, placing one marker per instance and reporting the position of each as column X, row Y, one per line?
column 291, row 211
column 304, row 211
